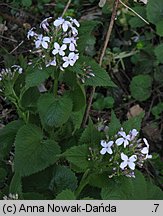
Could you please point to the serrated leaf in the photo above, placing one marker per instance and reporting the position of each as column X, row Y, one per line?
column 32, row 152
column 28, row 101
column 54, row 112
column 140, row 87
column 7, row 137
column 100, row 78
column 154, row 11
column 16, row 185
column 114, row 125
column 66, row 195
column 77, row 118
column 63, row 178
column 136, row 22
column 99, row 180
column 159, row 53
column 133, row 123
column 36, row 77
column 90, row 135
column 78, row 156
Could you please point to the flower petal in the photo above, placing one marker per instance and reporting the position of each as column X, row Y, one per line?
column 58, row 22
column 65, row 26
column 72, row 47
column 66, row 64
column 103, row 143
column 122, row 133
column 133, row 158
column 110, row 143
column 126, row 142
column 103, row 151
column 56, row 45
column 123, row 164
column 145, row 150
column 64, row 47
column 124, row 157
column 131, row 165
column 67, row 40
column 45, row 44
column 54, row 52
column 146, row 142
column 119, row 141
column 109, row 150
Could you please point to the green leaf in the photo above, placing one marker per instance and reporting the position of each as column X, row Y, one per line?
column 154, row 11
column 16, row 185
column 133, row 123
column 99, row 180
column 136, row 188
column 78, row 98
column 33, row 196
column 136, row 22
column 78, row 156
column 27, row 3
column 114, row 125
column 7, row 137
column 32, row 152
column 159, row 53
column 77, row 118
column 90, row 136
column 28, row 101
column 3, row 174
column 54, row 112
column 140, row 87
column 157, row 110
column 63, row 178
column 66, row 195
column 100, row 78
column 36, row 77
column 159, row 28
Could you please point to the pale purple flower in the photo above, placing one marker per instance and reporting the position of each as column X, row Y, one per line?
column 44, row 24
column 133, row 133
column 52, row 63
column 60, row 21
column 124, row 139
column 106, row 147
column 128, row 161
column 31, row 33
column 145, row 150
column 59, row 49
column 69, row 60
column 42, row 41
column 71, row 41
column 74, row 21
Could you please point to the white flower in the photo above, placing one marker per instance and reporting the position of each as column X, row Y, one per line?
column 70, row 59
column 31, row 33
column 145, row 150
column 124, row 139
column 74, row 31
column 44, row 24
column 42, row 41
column 133, row 133
column 52, row 63
column 60, row 21
column 128, row 161
column 18, row 68
column 71, row 41
column 106, row 147
column 74, row 21
column 59, row 49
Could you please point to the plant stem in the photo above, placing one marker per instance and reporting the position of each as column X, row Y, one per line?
column 55, row 86
column 67, row 6
column 114, row 12
column 83, row 183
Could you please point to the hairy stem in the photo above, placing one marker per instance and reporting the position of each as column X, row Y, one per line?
column 114, row 12
column 67, row 6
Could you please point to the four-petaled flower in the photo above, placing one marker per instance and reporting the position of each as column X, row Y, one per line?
column 60, row 21
column 42, row 41
column 59, row 49
column 123, row 139
column 128, row 161
column 71, row 41
column 74, row 21
column 106, row 147
column 70, row 59
column 145, row 150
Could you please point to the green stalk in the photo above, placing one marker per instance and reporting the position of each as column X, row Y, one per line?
column 84, row 181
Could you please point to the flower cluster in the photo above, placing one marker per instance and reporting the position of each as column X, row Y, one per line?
column 126, row 151
column 10, row 72
column 11, row 197
column 58, row 42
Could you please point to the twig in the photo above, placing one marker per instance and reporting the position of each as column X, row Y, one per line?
column 17, row 47
column 114, row 12
column 67, row 6
column 10, row 39
column 134, row 12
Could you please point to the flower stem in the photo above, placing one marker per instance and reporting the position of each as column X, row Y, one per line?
column 84, row 181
